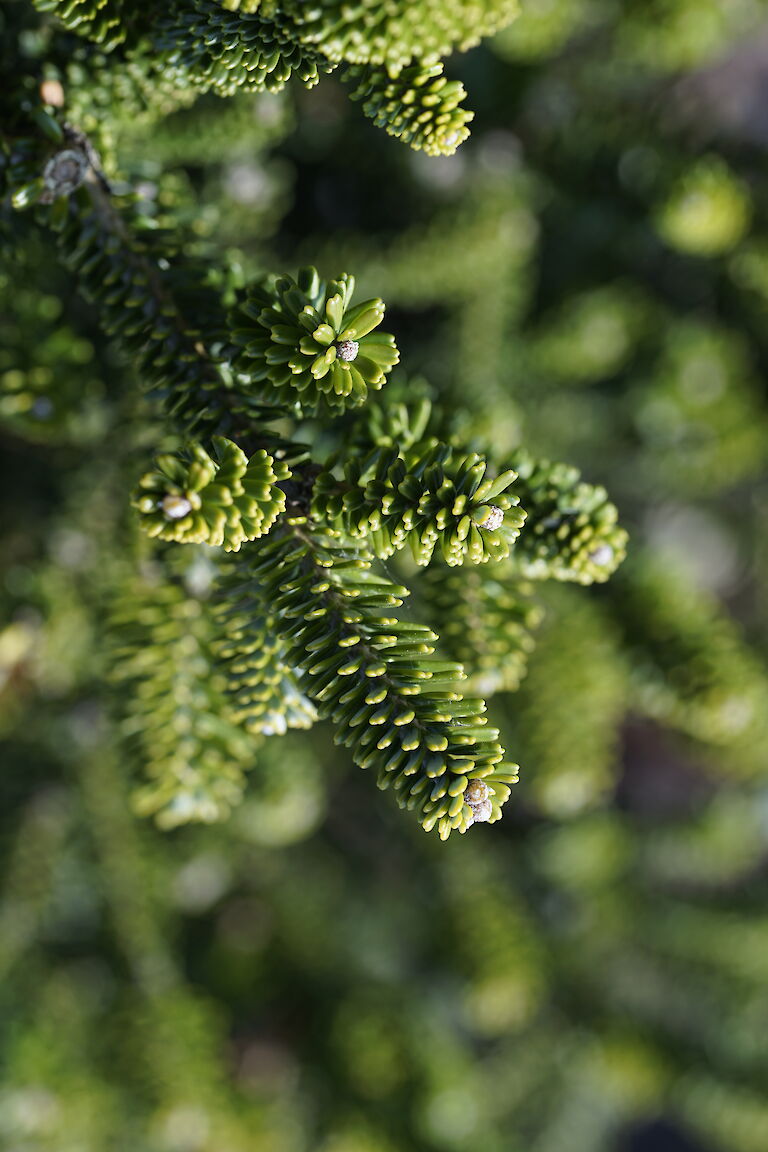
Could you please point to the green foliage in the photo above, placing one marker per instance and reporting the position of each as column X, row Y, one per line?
column 571, row 531
column 302, row 335
column 396, row 33
column 130, row 270
column 263, row 688
column 220, row 376
column 253, row 47
column 205, row 45
column 99, row 20
column 487, row 619
column 428, row 497
column 570, row 705
column 108, row 103
column 314, row 974
column 394, row 423
column 174, row 710
column 242, row 124
column 708, row 213
column 30, row 404
column 221, row 500
column 690, row 664
column 418, row 105
column 395, row 703
column 700, row 416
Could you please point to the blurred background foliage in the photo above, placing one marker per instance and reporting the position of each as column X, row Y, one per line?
column 590, row 272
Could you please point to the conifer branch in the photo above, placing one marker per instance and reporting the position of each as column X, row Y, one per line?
column 430, row 496
column 104, row 21
column 418, row 106
column 395, row 704
column 488, row 621
column 396, row 33
column 302, row 336
column 174, row 714
column 394, row 49
column 691, row 667
column 164, row 308
column 263, row 688
column 211, row 48
column 571, row 531
column 304, row 623
column 221, row 500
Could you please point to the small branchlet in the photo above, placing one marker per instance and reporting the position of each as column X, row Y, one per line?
column 418, row 106
column 431, row 497
column 572, row 531
column 303, row 338
column 223, row 499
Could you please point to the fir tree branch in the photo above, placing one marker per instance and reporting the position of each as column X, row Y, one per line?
column 395, row 703
column 203, row 44
column 263, row 688
column 418, row 106
column 487, row 619
column 174, row 713
column 398, row 32
column 691, row 667
column 303, row 342
column 430, row 495
column 223, row 499
column 148, row 291
column 571, row 531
